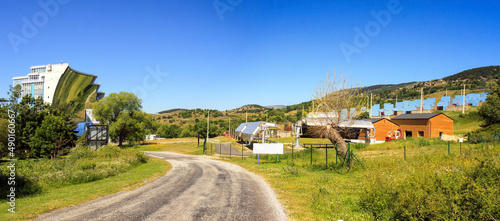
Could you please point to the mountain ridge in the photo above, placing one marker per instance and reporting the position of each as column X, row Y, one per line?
column 475, row 76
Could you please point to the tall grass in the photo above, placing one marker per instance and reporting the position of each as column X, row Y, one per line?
column 434, row 187
column 82, row 165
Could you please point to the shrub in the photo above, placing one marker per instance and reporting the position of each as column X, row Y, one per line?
column 436, row 188
column 81, row 166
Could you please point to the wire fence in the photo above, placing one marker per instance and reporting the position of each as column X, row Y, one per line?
column 327, row 155
column 484, row 139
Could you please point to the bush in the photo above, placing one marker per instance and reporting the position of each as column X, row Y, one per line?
column 436, row 188
column 81, row 166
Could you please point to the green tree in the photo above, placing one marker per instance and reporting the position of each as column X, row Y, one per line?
column 4, row 137
column 202, row 126
column 189, row 131
column 53, row 137
column 30, row 115
column 128, row 127
column 490, row 110
column 364, row 115
column 123, row 113
column 169, row 131
column 109, row 108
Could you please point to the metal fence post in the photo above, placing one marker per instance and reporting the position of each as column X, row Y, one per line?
column 326, row 154
column 405, row 153
column 336, row 154
column 242, row 151
column 230, row 147
column 311, row 154
column 448, row 147
column 349, row 155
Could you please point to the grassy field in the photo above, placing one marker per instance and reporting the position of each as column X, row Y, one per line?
column 184, row 148
column 47, row 185
column 30, row 207
column 329, row 192
column 464, row 123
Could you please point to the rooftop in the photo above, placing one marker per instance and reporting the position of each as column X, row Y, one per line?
column 424, row 116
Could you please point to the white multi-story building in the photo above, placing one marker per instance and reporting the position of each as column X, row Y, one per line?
column 42, row 81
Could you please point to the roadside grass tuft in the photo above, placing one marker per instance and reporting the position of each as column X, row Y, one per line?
column 30, row 207
column 82, row 165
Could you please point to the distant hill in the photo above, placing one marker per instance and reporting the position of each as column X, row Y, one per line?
column 275, row 106
column 482, row 73
column 172, row 111
column 389, row 93
column 382, row 87
column 250, row 108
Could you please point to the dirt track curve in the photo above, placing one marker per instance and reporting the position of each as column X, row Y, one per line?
column 194, row 189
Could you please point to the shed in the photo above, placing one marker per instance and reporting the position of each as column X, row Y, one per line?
column 426, row 125
column 382, row 126
column 251, row 129
column 239, row 131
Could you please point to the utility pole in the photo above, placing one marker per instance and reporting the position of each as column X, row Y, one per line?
column 422, row 100
column 463, row 101
column 246, row 117
column 229, row 126
column 208, row 124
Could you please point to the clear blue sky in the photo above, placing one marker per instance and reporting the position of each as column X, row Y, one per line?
column 249, row 51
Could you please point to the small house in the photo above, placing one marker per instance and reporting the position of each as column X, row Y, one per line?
column 427, row 125
column 381, row 127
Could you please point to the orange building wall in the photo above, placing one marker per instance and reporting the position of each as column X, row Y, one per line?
column 381, row 129
column 431, row 128
column 414, row 126
column 441, row 123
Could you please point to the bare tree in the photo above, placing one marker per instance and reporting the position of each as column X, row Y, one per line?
column 333, row 97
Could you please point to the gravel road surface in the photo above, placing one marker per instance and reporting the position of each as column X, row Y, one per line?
column 195, row 188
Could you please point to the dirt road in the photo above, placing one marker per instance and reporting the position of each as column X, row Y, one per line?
column 194, row 189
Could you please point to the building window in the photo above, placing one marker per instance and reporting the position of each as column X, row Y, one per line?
column 440, row 134
column 420, row 134
column 409, row 133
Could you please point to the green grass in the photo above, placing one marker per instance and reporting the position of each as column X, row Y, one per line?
column 184, row 148
column 303, row 140
column 433, row 186
column 464, row 123
column 30, row 207
column 320, row 192
column 82, row 165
